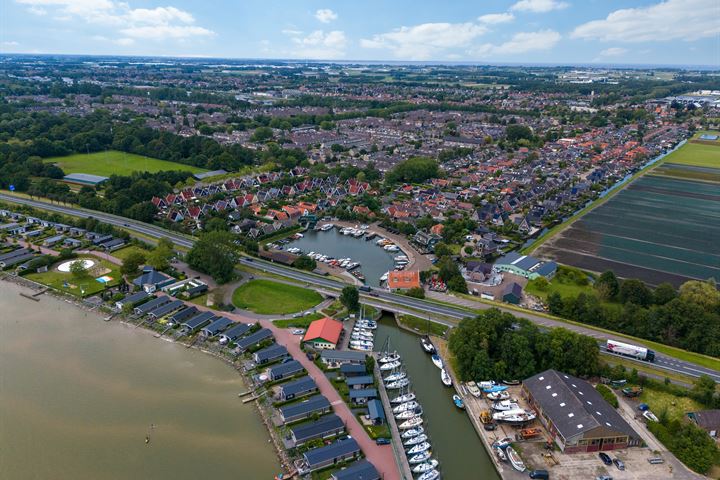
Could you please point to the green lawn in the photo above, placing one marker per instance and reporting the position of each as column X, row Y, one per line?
column 114, row 162
column 123, row 253
column 696, row 154
column 676, row 407
column 56, row 279
column 302, row 322
column 422, row 325
column 268, row 297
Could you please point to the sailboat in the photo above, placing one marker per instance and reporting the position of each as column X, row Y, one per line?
column 413, row 432
column 398, row 384
column 390, row 366
column 430, row 475
column 515, row 459
column 437, row 360
column 412, row 423
column 408, row 414
column 419, row 448
column 389, row 357
column 425, row 467
column 411, row 405
column 427, row 345
column 415, row 440
column 403, row 398
column 445, row 377
column 394, row 377
column 420, row 457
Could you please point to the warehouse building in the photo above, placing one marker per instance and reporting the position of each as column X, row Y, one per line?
column 526, row 266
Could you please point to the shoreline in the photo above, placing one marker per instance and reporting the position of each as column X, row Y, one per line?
column 39, row 290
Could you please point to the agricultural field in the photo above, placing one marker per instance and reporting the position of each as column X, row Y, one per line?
column 118, row 163
column 663, row 227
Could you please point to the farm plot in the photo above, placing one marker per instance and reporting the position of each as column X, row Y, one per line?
column 118, row 163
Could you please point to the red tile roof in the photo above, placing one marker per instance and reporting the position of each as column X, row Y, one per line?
column 403, row 279
column 324, row 329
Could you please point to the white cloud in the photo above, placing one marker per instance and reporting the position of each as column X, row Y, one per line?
column 10, row 43
column 613, row 52
column 522, row 42
column 39, row 11
column 159, row 23
column 539, row 6
column 426, row 40
column 670, row 20
column 495, row 18
column 321, row 45
column 325, row 15
column 124, row 42
column 291, row 32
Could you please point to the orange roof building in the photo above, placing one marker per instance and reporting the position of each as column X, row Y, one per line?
column 324, row 333
column 403, row 280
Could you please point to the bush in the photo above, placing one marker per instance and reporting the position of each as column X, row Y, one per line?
column 416, row 292
column 608, row 395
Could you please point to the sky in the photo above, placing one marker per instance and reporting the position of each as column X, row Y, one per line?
column 669, row 32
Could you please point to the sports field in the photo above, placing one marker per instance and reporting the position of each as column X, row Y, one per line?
column 118, row 163
column 696, row 154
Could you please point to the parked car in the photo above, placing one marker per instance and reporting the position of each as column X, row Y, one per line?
column 298, row 331
column 619, row 464
column 382, row 441
column 605, row 458
column 490, row 426
column 604, row 477
column 540, row 474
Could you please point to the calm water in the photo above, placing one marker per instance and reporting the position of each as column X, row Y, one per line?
column 454, row 440
column 77, row 397
column 374, row 261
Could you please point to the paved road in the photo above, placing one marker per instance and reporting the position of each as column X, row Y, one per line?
column 395, row 302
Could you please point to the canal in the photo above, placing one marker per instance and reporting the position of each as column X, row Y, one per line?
column 78, row 396
column 455, row 443
column 374, row 261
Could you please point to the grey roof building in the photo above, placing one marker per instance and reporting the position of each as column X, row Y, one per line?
column 163, row 310
column 360, row 470
column 360, row 381
column 332, row 454
column 151, row 305
column 132, row 299
column 285, row 370
column 269, row 354
column 341, row 357
column 576, row 415
column 182, row 315
column 217, row 326
column 197, row 322
column 362, row 395
column 325, row 427
column 298, row 411
column 376, row 413
column 353, row 370
column 233, row 333
column 298, row 388
column 253, row 339
column 152, row 280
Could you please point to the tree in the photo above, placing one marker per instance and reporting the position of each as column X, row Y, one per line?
column 216, row 224
column 214, row 253
column 304, row 262
column 350, row 298
column 635, row 291
column 701, row 293
column 664, row 293
column 78, row 269
column 457, row 284
column 132, row 263
column 414, row 170
column 369, row 363
column 607, row 285
column 416, row 292
column 261, row 134
column 159, row 258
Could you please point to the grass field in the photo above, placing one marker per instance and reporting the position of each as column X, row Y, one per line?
column 422, row 325
column 302, row 322
column 676, row 407
column 114, row 162
column 267, row 297
column 696, row 154
column 57, row 280
column 123, row 253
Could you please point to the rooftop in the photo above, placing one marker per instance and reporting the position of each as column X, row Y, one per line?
column 324, row 329
column 403, row 279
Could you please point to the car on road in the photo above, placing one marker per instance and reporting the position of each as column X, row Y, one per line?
column 619, row 463
column 605, row 458
column 373, row 294
column 298, row 331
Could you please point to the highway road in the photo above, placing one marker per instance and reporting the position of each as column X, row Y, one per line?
column 381, row 298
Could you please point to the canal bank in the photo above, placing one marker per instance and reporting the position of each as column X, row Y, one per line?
column 455, row 444
column 77, row 388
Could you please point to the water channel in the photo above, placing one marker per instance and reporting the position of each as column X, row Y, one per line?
column 455, row 443
column 374, row 261
column 78, row 396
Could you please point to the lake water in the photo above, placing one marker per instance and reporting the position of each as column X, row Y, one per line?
column 78, row 396
column 374, row 261
column 454, row 441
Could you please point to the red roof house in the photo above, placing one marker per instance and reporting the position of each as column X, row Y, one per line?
column 323, row 333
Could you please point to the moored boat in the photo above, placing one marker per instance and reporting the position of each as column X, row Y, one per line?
column 437, row 361
column 411, row 405
column 408, row 414
column 430, row 475
column 514, row 416
column 458, row 402
column 445, row 377
column 415, row 440
column 427, row 345
column 394, row 377
column 390, row 366
column 412, row 423
column 420, row 447
column 399, row 384
column 495, row 396
column 389, row 357
column 413, row 432
column 505, row 405
column 420, row 457
column 425, row 467
column 406, row 397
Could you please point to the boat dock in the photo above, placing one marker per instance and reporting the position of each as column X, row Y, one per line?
column 397, row 444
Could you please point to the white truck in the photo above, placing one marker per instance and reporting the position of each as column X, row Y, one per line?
column 634, row 351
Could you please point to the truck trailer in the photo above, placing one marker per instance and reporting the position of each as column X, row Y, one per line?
column 634, row 351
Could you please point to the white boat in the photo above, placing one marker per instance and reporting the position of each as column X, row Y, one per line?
column 369, row 324
column 420, row 457
column 427, row 345
column 361, row 337
column 425, row 467
column 496, row 396
column 474, row 390
column 412, row 423
column 326, row 227
column 420, row 447
column 400, row 258
column 399, row 384
column 362, row 331
column 514, row 416
column 437, row 360
column 429, row 475
column 407, row 397
column 390, row 366
column 500, row 454
column 361, row 343
column 445, row 377
column 361, row 348
column 408, row 414
column 413, row 432
column 515, row 459
column 411, row 405
column 389, row 357
column 415, row 440
column 505, row 405
column 650, row 416
column 391, row 248
column 384, row 276
column 394, row 377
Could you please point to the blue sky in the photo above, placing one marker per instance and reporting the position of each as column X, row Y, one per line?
column 683, row 32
